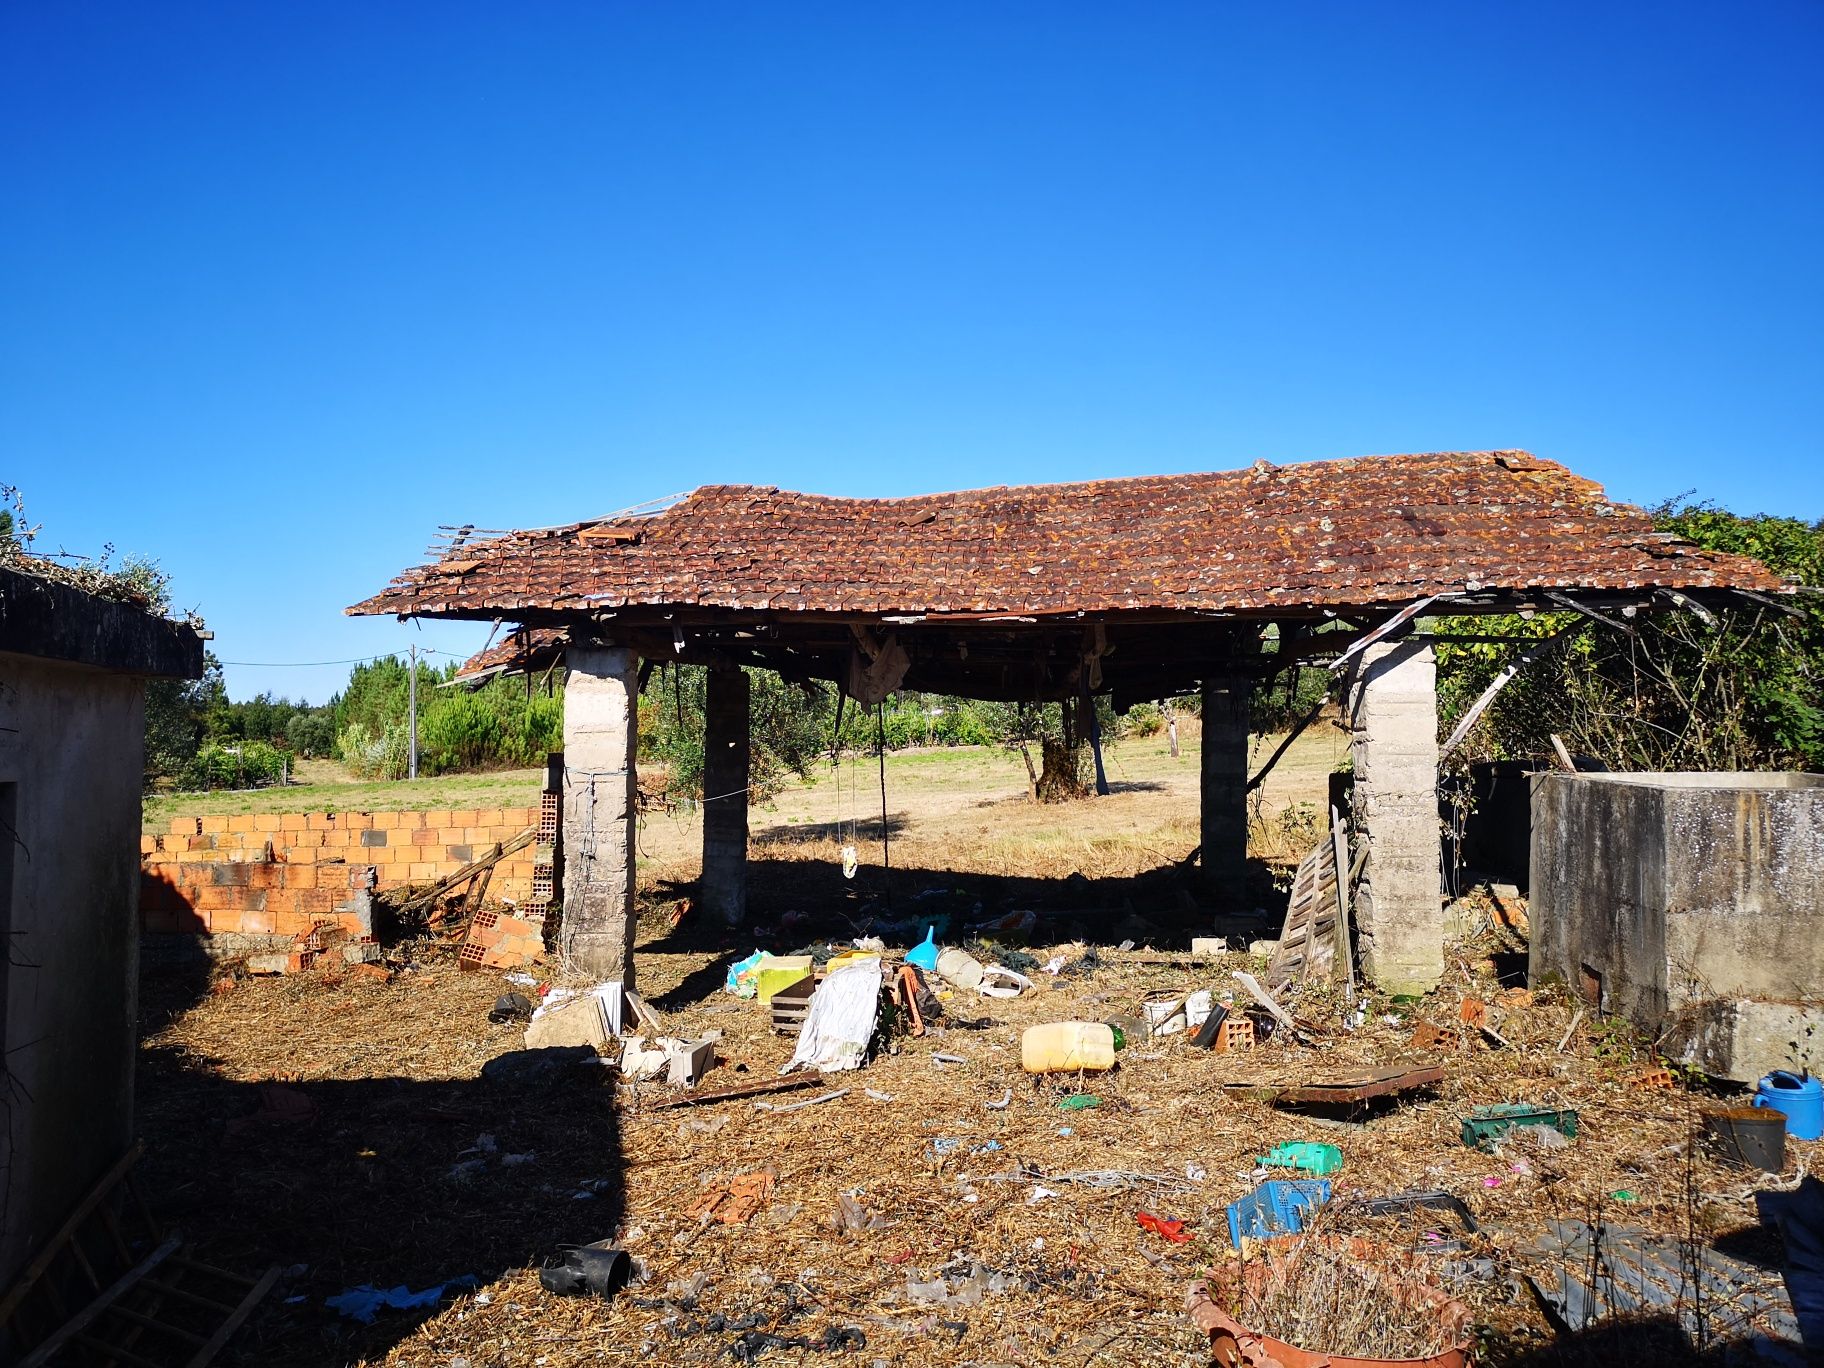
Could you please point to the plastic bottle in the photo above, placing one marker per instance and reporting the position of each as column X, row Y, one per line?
column 960, row 968
column 1067, row 1046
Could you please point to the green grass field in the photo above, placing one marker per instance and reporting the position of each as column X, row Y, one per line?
column 323, row 786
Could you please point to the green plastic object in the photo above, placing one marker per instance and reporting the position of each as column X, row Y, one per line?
column 1304, row 1155
column 1623, row 1195
column 1081, row 1102
column 1484, row 1126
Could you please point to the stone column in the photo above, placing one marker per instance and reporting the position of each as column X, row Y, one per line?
column 601, row 728
column 725, row 766
column 1225, row 783
column 1393, row 727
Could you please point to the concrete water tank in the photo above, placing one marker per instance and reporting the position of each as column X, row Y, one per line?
column 1690, row 903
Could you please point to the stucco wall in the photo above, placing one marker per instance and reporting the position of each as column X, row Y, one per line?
column 1690, row 895
column 70, row 744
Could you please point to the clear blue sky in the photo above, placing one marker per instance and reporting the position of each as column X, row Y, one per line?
column 282, row 287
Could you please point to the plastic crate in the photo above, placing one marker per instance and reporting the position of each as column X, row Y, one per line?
column 1276, row 1207
column 1485, row 1126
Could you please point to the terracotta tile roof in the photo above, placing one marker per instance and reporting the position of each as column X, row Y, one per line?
column 527, row 648
column 1373, row 530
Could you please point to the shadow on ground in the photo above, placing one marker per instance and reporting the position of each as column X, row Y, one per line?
column 794, row 901
column 366, row 1181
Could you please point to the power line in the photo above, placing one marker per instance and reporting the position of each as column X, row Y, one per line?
column 358, row 660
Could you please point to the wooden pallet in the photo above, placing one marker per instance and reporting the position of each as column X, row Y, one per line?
column 111, row 1287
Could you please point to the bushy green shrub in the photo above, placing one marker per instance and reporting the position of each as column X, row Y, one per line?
column 311, row 735
column 1143, row 719
column 962, row 725
column 240, row 765
column 375, row 755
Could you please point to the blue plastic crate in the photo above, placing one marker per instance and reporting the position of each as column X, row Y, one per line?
column 1276, row 1207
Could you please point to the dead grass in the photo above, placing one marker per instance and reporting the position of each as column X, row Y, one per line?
column 364, row 1192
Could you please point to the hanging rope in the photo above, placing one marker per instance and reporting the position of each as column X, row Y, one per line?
column 886, row 846
column 851, row 858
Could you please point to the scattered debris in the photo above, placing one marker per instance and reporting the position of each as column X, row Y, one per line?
column 1591, row 1274
column 591, row 1018
column 1276, row 1207
column 796, row 1106
column 1168, row 1230
column 1350, row 1089
column 511, row 1007
column 598, row 1269
column 1312, row 1302
column 365, row 1302
column 840, row 1024
column 1068, row 1047
column 1319, row 1160
column 733, row 1201
column 1485, row 1127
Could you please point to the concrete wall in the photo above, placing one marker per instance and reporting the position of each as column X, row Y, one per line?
column 71, row 740
column 1690, row 901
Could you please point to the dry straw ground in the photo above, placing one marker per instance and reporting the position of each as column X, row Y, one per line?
column 411, row 1169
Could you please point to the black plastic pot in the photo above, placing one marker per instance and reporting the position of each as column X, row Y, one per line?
column 1754, row 1137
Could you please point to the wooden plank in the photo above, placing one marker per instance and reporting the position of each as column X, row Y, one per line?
column 225, row 1331
column 109, row 1295
column 1345, row 949
column 152, row 1323
column 54, row 1246
column 1368, row 638
column 761, row 1089
column 1350, row 1088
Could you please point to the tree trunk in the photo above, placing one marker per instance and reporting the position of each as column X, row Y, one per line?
column 1032, row 775
column 1062, row 778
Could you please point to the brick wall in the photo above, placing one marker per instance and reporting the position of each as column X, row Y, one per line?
column 245, row 874
column 255, row 898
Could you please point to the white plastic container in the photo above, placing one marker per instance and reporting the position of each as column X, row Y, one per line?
column 1067, row 1046
column 959, row 967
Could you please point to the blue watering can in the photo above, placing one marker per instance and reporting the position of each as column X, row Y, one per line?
column 1801, row 1098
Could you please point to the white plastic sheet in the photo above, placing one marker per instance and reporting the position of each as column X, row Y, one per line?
column 841, row 1019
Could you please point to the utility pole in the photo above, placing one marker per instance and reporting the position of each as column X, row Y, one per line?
column 411, row 706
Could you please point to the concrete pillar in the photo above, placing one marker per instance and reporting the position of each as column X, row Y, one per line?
column 1393, row 727
column 1225, row 783
column 725, row 759
column 601, row 728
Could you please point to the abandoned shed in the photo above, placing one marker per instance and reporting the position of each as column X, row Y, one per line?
column 73, row 669
column 1139, row 588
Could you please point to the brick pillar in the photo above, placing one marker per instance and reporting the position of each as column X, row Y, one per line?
column 725, row 766
column 1393, row 728
column 1225, row 783
column 601, row 728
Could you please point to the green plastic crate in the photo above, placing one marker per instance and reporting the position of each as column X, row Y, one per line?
column 1486, row 1125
